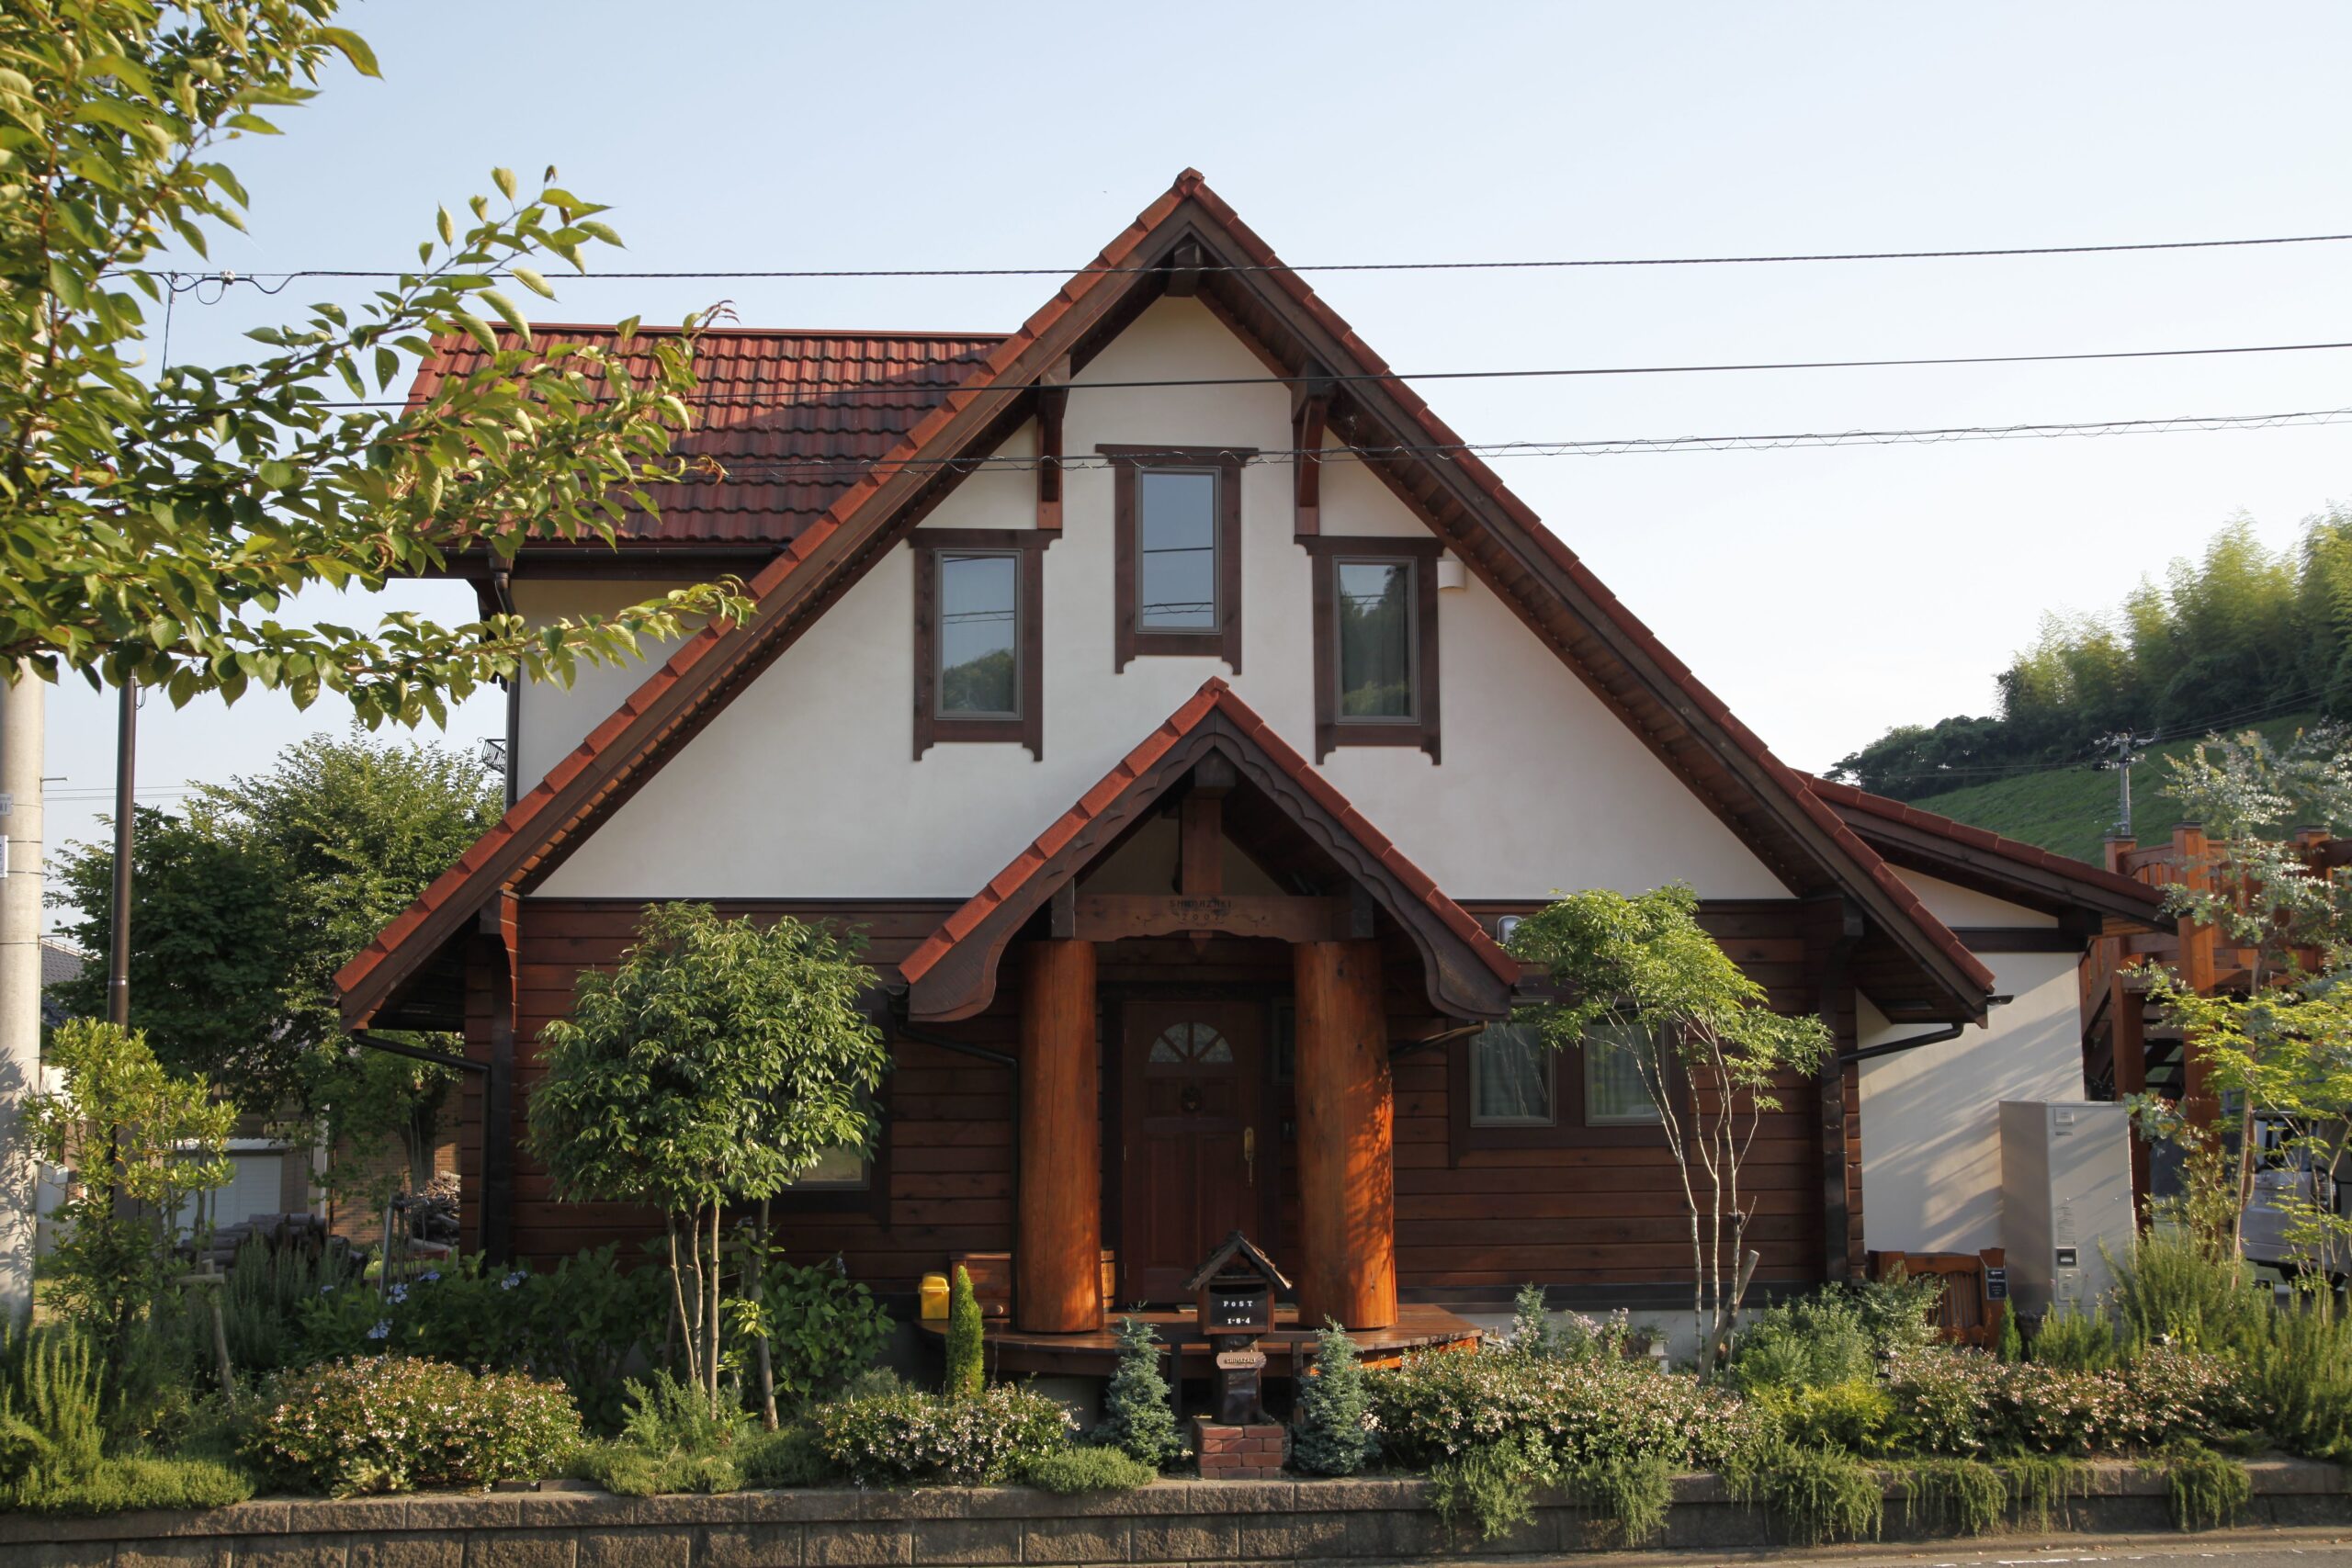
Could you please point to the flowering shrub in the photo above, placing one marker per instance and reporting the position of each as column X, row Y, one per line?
column 1963, row 1403
column 395, row 1425
column 1445, row 1403
column 901, row 1437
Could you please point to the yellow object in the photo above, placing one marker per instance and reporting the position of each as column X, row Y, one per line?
column 934, row 1292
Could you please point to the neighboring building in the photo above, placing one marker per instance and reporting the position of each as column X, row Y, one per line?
column 1181, row 714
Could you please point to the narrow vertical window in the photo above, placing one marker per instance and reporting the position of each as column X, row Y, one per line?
column 979, row 646
column 1375, row 642
column 1375, row 615
column 1177, row 544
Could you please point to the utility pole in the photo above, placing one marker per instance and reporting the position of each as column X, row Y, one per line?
column 2123, row 750
column 22, row 702
column 126, row 769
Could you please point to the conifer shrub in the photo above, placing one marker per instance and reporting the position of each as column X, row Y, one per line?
column 1138, row 1420
column 966, row 1365
column 1332, row 1432
column 2074, row 1341
column 2011, row 1345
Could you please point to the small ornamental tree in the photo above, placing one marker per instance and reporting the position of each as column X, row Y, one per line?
column 2281, row 1046
column 141, row 1144
column 967, row 1335
column 1331, row 1433
column 1136, row 1420
column 719, row 1061
column 1710, row 1051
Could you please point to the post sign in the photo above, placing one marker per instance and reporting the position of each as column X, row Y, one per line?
column 1248, row 1310
column 1996, row 1284
column 1234, row 1306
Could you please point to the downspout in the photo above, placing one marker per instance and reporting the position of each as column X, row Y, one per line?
column 501, row 594
column 1911, row 1041
column 1837, row 1217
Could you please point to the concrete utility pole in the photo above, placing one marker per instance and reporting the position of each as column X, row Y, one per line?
column 2124, row 748
column 126, row 772
column 21, row 710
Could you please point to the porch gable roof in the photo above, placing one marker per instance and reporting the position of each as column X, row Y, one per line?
column 1462, row 501
column 953, row 974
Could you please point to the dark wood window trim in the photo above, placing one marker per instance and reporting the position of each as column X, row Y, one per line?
column 1222, row 642
column 872, row 1198
column 933, row 728
column 1325, row 552
column 1566, row 1131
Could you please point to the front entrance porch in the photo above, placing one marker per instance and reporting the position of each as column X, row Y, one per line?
column 1150, row 1115
column 1289, row 1348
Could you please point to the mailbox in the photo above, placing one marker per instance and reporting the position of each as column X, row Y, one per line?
column 1233, row 1305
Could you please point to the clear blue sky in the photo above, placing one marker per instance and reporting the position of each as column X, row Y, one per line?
column 1824, row 594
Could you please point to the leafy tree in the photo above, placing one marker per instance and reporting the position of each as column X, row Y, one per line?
column 2281, row 1046
column 152, row 525
column 246, row 902
column 141, row 1143
column 1137, row 1418
column 1712, row 1053
column 718, row 1062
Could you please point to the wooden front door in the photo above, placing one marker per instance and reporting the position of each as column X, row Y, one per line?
column 1194, row 1164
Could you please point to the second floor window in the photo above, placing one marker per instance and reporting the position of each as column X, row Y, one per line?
column 980, row 644
column 1375, row 642
column 979, row 639
column 1177, row 534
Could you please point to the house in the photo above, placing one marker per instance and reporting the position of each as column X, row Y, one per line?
column 1183, row 716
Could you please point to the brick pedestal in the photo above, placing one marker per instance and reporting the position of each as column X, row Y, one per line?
column 1238, row 1454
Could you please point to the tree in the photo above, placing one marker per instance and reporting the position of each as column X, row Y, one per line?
column 141, row 1143
column 152, row 525
column 715, row 1063
column 2282, row 1045
column 966, row 1348
column 246, row 902
column 1642, row 972
column 1137, row 1418
column 1331, row 1432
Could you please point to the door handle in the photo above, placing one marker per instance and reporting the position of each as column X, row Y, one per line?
column 1250, row 1153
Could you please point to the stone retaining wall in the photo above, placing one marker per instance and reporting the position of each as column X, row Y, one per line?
column 1169, row 1522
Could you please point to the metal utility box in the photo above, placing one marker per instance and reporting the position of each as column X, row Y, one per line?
column 2065, row 1193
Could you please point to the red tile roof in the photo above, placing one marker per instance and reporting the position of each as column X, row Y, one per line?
column 1961, row 833
column 1213, row 697
column 792, row 417
column 695, row 681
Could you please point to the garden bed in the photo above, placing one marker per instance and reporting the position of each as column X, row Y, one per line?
column 566, row 1525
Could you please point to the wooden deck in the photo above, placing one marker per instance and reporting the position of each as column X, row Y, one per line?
column 1288, row 1348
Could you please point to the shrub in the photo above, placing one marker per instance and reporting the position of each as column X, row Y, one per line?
column 1137, row 1418
column 1898, row 1312
column 1953, row 1496
column 1814, row 1497
column 1944, row 1402
column 2012, row 1343
column 1853, row 1416
column 396, row 1424
column 2169, row 1288
column 2039, row 1485
column 670, row 1440
column 824, row 1328
column 668, row 1417
column 262, row 1302
column 2302, row 1375
column 1806, row 1342
column 790, row 1456
column 2075, row 1341
column 1631, row 1492
column 52, row 1433
column 118, row 1485
column 1963, row 1404
column 1532, row 1333
column 1331, row 1430
column 2205, row 1490
column 1088, row 1470
column 966, row 1373
column 905, row 1437
column 626, row 1471
column 1492, row 1485
column 1439, row 1404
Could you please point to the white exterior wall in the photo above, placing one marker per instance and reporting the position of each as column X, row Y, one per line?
column 555, row 718
column 805, row 785
column 1931, row 1118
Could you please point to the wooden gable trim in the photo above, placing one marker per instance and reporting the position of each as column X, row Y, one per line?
column 1999, row 875
column 961, row 980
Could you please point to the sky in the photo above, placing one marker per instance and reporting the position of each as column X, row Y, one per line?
column 1824, row 594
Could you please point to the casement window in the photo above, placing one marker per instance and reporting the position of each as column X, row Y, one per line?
column 1512, row 1074
column 1177, row 539
column 1508, row 1089
column 1614, row 1095
column 980, row 636
column 1375, row 642
column 836, row 1170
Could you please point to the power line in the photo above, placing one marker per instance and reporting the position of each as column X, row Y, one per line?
column 790, row 394
column 1540, row 265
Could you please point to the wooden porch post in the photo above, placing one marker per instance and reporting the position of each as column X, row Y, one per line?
column 2198, row 970
column 1057, row 1242
column 1347, row 1177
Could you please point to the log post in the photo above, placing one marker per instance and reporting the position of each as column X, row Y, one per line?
column 2198, row 968
column 1057, row 1245
column 1347, row 1177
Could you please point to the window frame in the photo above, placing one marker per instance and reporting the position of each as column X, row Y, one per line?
column 1568, row 1128
column 1131, row 641
column 870, row 1197
column 1584, row 1095
column 1027, row 727
column 1551, row 1089
column 1327, row 552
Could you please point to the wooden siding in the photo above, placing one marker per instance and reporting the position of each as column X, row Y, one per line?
column 1471, row 1221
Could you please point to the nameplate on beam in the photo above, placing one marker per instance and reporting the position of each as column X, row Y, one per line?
column 1110, row 917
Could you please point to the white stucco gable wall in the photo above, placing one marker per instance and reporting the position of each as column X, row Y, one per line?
column 1932, row 1120
column 805, row 785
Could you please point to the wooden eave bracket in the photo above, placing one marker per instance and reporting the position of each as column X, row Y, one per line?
column 1310, row 415
column 1184, row 264
column 1053, row 402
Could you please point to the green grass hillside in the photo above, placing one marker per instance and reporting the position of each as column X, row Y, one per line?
column 2071, row 810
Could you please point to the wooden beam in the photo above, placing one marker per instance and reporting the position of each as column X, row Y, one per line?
column 2199, row 971
column 1057, row 1236
column 1200, row 839
column 1310, row 413
column 2128, row 1049
column 1184, row 263
column 1347, row 1128
column 1053, row 402
column 1111, row 916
